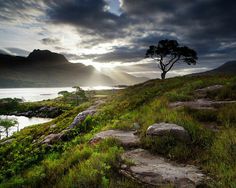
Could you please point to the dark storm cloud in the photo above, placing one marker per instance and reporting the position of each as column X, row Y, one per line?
column 205, row 25
column 5, row 51
column 14, row 51
column 122, row 54
column 89, row 15
column 15, row 10
column 50, row 41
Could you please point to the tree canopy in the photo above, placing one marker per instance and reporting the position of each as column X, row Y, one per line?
column 168, row 52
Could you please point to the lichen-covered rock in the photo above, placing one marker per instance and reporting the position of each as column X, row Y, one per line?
column 155, row 170
column 127, row 138
column 52, row 138
column 168, row 129
column 81, row 117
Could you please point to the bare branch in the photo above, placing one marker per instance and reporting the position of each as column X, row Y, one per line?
column 173, row 63
column 171, row 60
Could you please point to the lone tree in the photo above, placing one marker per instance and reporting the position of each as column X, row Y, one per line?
column 7, row 124
column 168, row 52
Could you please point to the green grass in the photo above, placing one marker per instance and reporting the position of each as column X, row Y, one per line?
column 74, row 163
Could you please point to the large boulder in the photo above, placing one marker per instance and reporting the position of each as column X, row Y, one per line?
column 168, row 129
column 53, row 138
column 155, row 170
column 127, row 138
column 81, row 117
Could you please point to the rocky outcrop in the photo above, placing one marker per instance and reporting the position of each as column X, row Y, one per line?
column 168, row 129
column 127, row 138
column 52, row 138
column 200, row 104
column 201, row 93
column 155, row 170
column 82, row 115
column 8, row 141
column 43, row 112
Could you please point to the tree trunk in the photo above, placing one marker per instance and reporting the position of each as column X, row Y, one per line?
column 7, row 133
column 163, row 75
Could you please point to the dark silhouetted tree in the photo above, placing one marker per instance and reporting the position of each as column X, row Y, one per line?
column 168, row 52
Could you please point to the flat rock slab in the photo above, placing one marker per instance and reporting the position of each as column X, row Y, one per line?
column 155, row 170
column 200, row 104
column 168, row 129
column 203, row 91
column 127, row 138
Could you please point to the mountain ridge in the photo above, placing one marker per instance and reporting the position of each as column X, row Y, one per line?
column 228, row 67
column 43, row 68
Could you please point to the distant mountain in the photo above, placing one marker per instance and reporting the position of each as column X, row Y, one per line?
column 43, row 68
column 46, row 56
column 121, row 77
column 227, row 68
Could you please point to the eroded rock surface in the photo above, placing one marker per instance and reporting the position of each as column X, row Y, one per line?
column 168, row 129
column 155, row 170
column 8, row 141
column 81, row 117
column 203, row 91
column 52, row 138
column 127, row 138
column 200, row 104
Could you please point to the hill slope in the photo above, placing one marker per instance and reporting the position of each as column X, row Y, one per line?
column 227, row 68
column 71, row 160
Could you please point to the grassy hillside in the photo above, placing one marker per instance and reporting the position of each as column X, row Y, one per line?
column 72, row 162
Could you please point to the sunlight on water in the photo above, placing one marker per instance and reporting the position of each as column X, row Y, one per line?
column 24, row 122
column 38, row 94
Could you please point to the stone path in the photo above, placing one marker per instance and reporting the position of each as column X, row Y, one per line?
column 127, row 138
column 155, row 170
column 200, row 104
column 203, row 91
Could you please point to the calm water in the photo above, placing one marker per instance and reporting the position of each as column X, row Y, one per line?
column 24, row 122
column 38, row 94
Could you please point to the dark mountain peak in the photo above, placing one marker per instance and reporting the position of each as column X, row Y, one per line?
column 227, row 68
column 46, row 56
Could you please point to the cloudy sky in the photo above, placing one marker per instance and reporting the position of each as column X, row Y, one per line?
column 116, row 33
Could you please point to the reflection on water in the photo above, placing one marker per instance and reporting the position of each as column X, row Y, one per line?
column 38, row 94
column 24, row 122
